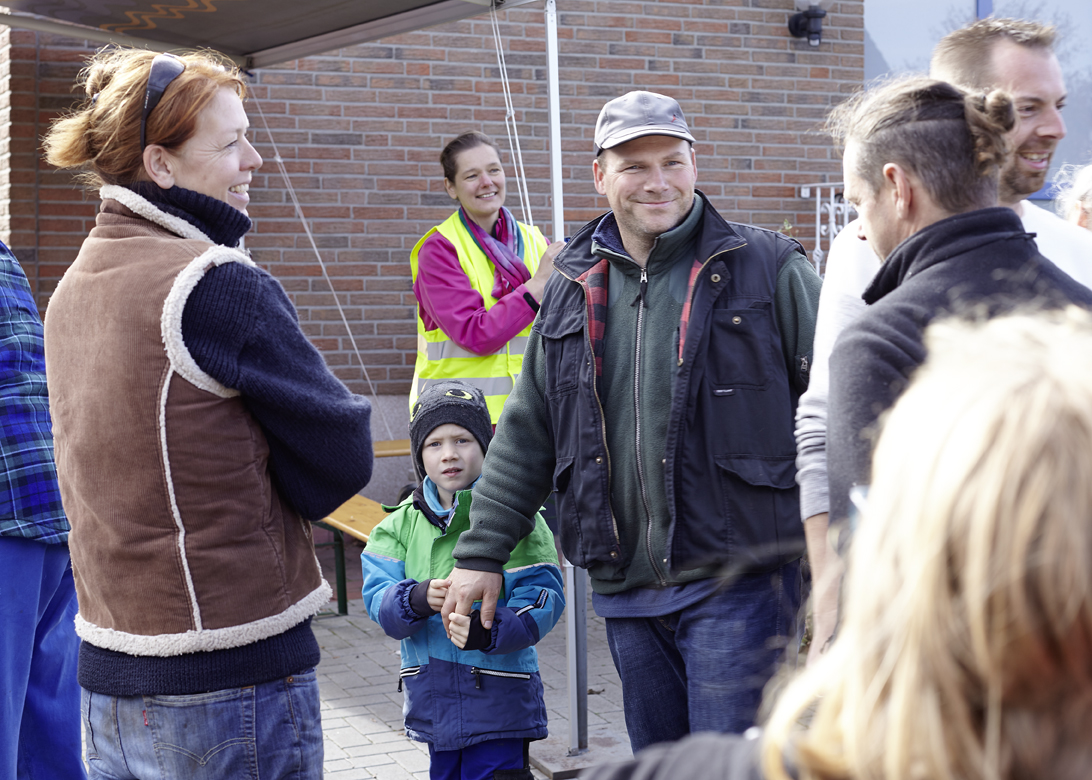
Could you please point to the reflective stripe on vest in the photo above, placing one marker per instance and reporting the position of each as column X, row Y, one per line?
column 438, row 357
column 446, row 349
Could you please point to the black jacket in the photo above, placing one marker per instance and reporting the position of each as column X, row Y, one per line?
column 980, row 263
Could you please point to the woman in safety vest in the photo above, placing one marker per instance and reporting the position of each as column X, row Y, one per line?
column 478, row 278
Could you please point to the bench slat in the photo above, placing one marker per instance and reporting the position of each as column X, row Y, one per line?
column 392, row 448
column 357, row 517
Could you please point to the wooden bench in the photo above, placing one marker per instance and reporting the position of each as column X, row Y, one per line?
column 357, row 517
column 391, row 449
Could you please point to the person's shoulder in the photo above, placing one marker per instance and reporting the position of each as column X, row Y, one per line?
column 1036, row 218
column 775, row 245
column 397, row 527
column 13, row 281
column 231, row 283
column 705, row 756
column 533, row 230
column 1056, row 236
column 851, row 259
column 748, row 230
column 892, row 325
column 433, row 239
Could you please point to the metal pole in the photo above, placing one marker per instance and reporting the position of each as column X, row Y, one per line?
column 554, row 93
column 832, row 217
column 818, row 255
column 576, row 617
column 576, row 580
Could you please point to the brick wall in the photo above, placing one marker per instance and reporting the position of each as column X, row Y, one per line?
column 43, row 216
column 359, row 131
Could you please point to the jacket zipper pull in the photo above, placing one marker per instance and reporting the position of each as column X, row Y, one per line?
column 642, row 294
column 477, row 676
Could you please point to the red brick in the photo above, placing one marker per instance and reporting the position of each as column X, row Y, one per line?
column 753, row 96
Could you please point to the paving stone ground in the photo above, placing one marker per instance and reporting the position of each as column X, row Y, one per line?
column 362, row 708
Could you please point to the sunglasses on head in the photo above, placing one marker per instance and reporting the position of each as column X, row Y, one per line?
column 165, row 69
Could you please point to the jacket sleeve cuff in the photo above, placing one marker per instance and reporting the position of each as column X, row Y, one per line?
column 480, row 564
column 418, row 600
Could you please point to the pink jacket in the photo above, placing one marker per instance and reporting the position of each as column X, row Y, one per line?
column 449, row 302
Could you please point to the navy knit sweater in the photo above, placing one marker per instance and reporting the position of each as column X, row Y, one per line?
column 242, row 330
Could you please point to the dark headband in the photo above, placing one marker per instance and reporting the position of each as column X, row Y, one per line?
column 165, row 69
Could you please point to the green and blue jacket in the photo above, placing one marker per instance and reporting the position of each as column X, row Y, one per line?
column 456, row 698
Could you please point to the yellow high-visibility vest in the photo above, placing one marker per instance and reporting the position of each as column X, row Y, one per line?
column 438, row 357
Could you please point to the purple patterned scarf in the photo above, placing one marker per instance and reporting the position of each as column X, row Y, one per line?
column 506, row 256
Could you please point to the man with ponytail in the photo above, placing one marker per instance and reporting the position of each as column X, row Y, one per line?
column 921, row 163
column 1011, row 54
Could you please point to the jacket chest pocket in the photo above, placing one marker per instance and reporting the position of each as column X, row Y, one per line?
column 743, row 343
column 564, row 348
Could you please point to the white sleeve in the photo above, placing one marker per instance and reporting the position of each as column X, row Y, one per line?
column 1066, row 245
column 851, row 265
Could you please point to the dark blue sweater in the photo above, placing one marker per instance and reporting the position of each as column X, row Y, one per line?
column 242, row 330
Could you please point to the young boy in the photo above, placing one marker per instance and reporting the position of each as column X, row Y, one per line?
column 476, row 698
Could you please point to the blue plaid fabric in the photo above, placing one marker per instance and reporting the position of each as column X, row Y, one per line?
column 30, row 501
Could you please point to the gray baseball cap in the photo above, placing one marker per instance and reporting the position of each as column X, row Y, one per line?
column 638, row 114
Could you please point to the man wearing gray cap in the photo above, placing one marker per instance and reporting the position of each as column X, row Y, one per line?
column 656, row 401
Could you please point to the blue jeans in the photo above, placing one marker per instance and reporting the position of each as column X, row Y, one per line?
column 266, row 731
column 703, row 668
column 39, row 695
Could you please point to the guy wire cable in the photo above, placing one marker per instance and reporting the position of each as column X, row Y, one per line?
column 322, row 265
column 510, row 122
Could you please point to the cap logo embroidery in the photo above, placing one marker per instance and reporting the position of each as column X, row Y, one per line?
column 460, row 394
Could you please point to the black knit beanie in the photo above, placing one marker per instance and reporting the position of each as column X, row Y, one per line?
column 448, row 401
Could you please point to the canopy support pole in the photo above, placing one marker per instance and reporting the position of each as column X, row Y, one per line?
column 576, row 579
column 557, row 200
column 576, row 623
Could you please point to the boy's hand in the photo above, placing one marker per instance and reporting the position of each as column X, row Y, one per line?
column 437, row 592
column 458, row 629
column 467, row 632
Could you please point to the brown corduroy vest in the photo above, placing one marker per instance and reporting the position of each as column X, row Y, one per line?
column 180, row 542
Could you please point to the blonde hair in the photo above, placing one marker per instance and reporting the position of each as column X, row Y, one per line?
column 965, row 57
column 101, row 136
column 966, row 647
